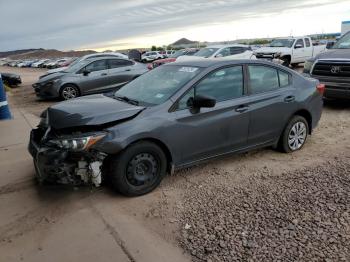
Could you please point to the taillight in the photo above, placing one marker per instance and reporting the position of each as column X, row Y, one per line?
column 321, row 88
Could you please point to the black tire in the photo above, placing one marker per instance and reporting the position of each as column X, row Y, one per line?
column 286, row 61
column 138, row 170
column 285, row 142
column 69, row 92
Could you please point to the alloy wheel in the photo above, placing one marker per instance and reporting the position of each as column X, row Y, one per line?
column 69, row 92
column 297, row 136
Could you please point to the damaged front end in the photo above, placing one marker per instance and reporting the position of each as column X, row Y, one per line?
column 66, row 158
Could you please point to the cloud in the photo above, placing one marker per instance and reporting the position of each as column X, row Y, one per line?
column 68, row 24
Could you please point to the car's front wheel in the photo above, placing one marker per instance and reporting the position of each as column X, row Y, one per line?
column 294, row 135
column 139, row 169
column 68, row 92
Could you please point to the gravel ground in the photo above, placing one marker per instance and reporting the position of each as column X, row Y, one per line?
column 297, row 216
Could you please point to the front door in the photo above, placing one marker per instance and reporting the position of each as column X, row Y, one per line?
column 97, row 77
column 218, row 130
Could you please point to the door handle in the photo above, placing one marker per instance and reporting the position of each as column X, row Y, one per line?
column 127, row 69
column 103, row 74
column 242, row 109
column 289, row 99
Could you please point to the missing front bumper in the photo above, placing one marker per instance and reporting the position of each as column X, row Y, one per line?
column 59, row 166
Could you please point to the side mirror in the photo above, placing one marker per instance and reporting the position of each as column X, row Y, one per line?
column 219, row 55
column 86, row 72
column 297, row 46
column 330, row 45
column 200, row 101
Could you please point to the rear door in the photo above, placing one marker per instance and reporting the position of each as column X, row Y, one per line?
column 97, row 78
column 272, row 102
column 120, row 72
column 308, row 48
column 217, row 130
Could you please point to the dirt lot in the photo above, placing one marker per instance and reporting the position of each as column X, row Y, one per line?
column 258, row 206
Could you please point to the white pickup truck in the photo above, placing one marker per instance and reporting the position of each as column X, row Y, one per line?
column 290, row 51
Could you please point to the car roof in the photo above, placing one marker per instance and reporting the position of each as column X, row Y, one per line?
column 93, row 59
column 223, row 46
column 209, row 62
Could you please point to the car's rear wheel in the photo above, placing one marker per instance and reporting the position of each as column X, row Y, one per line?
column 68, row 92
column 139, row 169
column 294, row 135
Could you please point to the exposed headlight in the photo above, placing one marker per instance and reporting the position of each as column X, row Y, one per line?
column 308, row 65
column 78, row 143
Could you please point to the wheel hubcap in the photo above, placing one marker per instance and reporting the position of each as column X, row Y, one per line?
column 69, row 92
column 297, row 136
column 142, row 170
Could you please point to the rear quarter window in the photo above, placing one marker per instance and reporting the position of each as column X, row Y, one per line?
column 284, row 78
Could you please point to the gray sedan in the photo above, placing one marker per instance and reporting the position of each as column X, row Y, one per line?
column 175, row 116
column 90, row 76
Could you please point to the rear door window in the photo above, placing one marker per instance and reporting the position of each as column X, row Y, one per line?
column 237, row 50
column 307, row 42
column 284, row 78
column 263, row 79
column 115, row 63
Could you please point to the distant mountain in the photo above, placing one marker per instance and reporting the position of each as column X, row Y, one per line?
column 17, row 52
column 184, row 41
column 43, row 53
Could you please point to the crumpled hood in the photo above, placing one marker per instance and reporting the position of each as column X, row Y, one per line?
column 60, row 69
column 91, row 110
column 343, row 54
column 269, row 49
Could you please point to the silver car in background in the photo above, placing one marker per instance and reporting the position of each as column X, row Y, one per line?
column 90, row 76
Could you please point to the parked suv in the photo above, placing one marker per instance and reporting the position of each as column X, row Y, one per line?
column 89, row 76
column 151, row 56
column 332, row 68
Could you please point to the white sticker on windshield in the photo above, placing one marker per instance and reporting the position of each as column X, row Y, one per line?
column 188, row 69
column 159, row 95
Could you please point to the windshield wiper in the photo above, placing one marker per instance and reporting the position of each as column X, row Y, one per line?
column 127, row 99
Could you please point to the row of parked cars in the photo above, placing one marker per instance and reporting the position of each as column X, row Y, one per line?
column 40, row 63
column 103, row 72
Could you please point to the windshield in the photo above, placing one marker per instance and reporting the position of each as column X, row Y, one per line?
column 343, row 43
column 206, row 52
column 74, row 67
column 158, row 85
column 282, row 43
column 178, row 53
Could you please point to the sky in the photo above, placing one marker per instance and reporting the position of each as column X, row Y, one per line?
column 124, row 24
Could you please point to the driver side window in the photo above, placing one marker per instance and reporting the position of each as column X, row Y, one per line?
column 300, row 42
column 224, row 52
column 223, row 84
column 97, row 66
